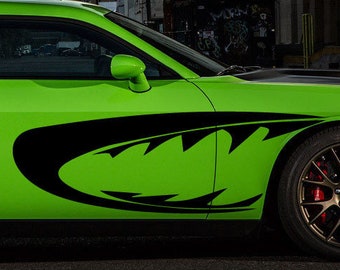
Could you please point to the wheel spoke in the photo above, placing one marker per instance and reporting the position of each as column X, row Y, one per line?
column 328, row 182
column 329, row 237
column 317, row 203
column 324, row 204
column 318, row 193
column 335, row 156
column 324, row 184
column 317, row 216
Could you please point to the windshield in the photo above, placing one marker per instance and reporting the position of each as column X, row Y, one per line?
column 200, row 64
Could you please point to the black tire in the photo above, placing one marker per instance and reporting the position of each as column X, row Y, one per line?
column 309, row 194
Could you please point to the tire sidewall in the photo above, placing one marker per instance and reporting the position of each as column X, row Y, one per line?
column 288, row 202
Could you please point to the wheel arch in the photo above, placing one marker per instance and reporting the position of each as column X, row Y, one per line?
column 270, row 216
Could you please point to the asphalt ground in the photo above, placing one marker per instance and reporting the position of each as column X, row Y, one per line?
column 156, row 253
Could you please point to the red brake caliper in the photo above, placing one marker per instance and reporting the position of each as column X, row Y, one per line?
column 317, row 192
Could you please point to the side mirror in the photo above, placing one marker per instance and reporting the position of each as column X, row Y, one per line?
column 127, row 67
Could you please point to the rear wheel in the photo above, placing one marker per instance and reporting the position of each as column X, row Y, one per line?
column 309, row 194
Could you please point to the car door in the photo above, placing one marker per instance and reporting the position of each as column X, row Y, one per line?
column 76, row 143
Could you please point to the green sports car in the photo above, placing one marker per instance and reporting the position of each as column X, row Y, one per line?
column 105, row 121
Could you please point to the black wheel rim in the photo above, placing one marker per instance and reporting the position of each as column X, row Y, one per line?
column 319, row 195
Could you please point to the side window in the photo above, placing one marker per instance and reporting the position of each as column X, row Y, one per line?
column 50, row 50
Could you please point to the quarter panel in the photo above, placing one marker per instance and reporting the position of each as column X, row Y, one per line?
column 263, row 117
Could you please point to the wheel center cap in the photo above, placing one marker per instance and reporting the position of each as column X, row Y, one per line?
column 337, row 191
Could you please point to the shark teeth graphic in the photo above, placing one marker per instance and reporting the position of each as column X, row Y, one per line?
column 162, row 200
column 40, row 153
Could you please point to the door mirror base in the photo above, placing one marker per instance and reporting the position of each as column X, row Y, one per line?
column 127, row 67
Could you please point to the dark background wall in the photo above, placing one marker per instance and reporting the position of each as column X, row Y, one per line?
column 235, row 32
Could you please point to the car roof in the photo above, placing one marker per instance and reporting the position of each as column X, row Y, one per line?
column 21, row 6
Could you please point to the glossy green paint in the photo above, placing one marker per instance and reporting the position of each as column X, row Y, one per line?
column 206, row 167
column 232, row 94
column 58, row 102
column 256, row 154
column 127, row 67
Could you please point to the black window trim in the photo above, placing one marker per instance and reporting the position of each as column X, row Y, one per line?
column 96, row 30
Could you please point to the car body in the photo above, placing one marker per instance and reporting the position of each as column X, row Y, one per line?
column 138, row 129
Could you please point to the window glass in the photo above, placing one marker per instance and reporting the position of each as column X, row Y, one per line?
column 200, row 64
column 49, row 50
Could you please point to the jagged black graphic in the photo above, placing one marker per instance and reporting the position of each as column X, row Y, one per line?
column 40, row 153
column 203, row 202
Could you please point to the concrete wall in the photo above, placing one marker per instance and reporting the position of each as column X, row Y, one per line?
column 326, row 15
column 331, row 21
column 289, row 21
column 284, row 22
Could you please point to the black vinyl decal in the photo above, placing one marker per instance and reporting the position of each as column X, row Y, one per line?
column 202, row 202
column 40, row 153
